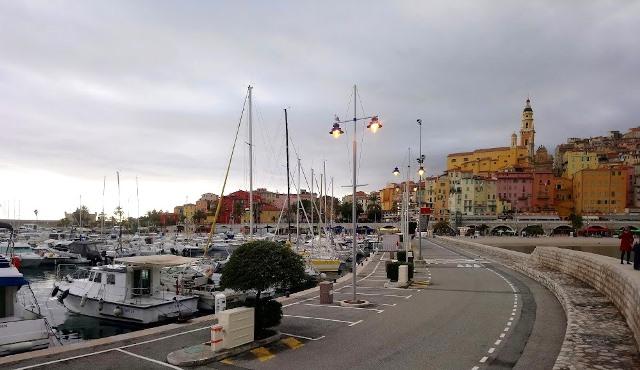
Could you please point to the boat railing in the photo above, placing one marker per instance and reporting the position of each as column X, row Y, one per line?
column 70, row 271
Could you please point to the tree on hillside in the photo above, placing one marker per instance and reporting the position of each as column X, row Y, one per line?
column 199, row 216
column 442, row 228
column 576, row 221
column 346, row 211
column 85, row 215
column 262, row 265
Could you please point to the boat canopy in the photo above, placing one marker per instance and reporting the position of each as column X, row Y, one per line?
column 4, row 225
column 160, row 260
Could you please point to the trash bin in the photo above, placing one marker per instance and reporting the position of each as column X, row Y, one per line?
column 326, row 292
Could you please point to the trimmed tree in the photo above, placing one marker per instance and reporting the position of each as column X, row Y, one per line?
column 259, row 266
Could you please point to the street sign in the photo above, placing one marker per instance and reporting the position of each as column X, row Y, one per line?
column 425, row 210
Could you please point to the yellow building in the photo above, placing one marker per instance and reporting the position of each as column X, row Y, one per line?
column 389, row 196
column 601, row 190
column 575, row 161
column 440, row 196
column 487, row 161
column 189, row 210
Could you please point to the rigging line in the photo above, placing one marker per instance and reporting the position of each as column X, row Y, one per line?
column 226, row 176
column 362, row 137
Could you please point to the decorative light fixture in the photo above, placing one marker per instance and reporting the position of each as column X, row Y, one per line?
column 336, row 131
column 421, row 171
column 396, row 171
column 374, row 124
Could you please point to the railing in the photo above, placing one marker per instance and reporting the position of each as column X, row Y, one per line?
column 67, row 271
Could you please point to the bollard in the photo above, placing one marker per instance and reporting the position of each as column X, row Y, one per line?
column 403, row 274
column 217, row 333
column 326, row 292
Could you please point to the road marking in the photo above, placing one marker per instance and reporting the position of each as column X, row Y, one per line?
column 509, row 323
column 376, row 295
column 374, row 287
column 292, row 343
column 409, row 296
column 355, row 323
column 148, row 359
column 298, row 302
column 506, row 329
column 491, row 350
column 347, row 308
column 227, row 361
column 112, row 349
column 511, row 318
column 303, row 337
column 351, row 323
column 262, row 354
column 378, row 280
column 374, row 270
column 497, row 343
column 484, row 359
column 502, row 335
column 475, row 368
column 387, row 304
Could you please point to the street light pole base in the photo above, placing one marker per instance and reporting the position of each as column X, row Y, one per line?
column 357, row 304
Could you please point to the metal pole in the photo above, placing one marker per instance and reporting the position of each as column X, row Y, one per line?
column 286, row 129
column 312, row 204
column 420, row 202
column 353, row 200
column 407, row 241
column 298, row 209
column 250, row 163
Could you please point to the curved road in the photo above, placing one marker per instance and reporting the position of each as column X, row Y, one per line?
column 473, row 315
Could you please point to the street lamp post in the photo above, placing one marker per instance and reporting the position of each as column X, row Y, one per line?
column 336, row 131
column 420, row 173
column 405, row 208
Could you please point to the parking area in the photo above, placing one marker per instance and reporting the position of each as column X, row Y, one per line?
column 306, row 321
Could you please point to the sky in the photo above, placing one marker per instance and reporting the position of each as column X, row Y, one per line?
column 155, row 90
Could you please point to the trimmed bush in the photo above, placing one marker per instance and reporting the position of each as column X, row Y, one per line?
column 268, row 314
column 392, row 269
column 401, row 256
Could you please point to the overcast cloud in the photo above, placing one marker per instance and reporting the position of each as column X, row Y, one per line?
column 155, row 89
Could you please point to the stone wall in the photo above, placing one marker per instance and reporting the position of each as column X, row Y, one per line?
column 619, row 283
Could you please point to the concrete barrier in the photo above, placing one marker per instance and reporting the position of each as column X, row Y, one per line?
column 619, row 283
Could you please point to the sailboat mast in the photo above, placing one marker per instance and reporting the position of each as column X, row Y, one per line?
column 104, row 185
column 250, row 162
column 313, row 200
column 286, row 130
column 80, row 212
column 138, row 200
column 324, row 185
column 332, row 205
column 320, row 210
column 298, row 208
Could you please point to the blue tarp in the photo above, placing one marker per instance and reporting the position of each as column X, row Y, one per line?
column 13, row 281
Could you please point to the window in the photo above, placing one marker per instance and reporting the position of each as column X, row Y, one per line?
column 111, row 279
column 97, row 277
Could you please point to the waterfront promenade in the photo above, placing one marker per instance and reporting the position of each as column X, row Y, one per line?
column 462, row 313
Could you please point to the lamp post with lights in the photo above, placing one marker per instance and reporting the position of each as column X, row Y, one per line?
column 336, row 131
column 405, row 209
column 420, row 173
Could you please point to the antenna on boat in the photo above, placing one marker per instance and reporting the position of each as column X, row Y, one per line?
column 138, row 199
column 104, row 185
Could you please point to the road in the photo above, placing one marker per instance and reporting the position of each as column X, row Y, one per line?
column 471, row 315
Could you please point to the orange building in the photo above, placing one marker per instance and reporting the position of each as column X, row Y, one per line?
column 601, row 190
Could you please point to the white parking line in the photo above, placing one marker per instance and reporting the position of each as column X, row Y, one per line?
column 303, row 337
column 149, row 359
column 355, row 323
column 351, row 323
column 376, row 295
column 298, row 302
column 348, row 308
column 387, row 304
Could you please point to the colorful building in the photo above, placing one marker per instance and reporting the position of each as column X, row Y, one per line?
column 601, row 190
column 573, row 162
column 487, row 161
column 515, row 188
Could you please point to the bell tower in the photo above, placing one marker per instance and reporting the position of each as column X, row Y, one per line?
column 527, row 131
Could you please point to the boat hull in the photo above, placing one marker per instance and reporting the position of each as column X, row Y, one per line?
column 22, row 336
column 328, row 265
column 166, row 311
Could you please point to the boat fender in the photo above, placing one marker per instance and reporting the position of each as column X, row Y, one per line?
column 63, row 295
column 16, row 262
column 55, row 291
column 117, row 311
column 83, row 301
column 100, row 304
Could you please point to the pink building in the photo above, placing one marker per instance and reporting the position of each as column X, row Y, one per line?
column 516, row 188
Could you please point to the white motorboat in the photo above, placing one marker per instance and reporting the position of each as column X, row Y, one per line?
column 130, row 290
column 20, row 329
column 28, row 259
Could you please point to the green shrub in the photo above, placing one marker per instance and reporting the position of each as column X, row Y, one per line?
column 401, row 256
column 392, row 269
column 268, row 313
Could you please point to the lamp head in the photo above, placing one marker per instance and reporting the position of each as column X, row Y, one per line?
column 336, row 131
column 421, row 171
column 396, row 171
column 374, row 124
